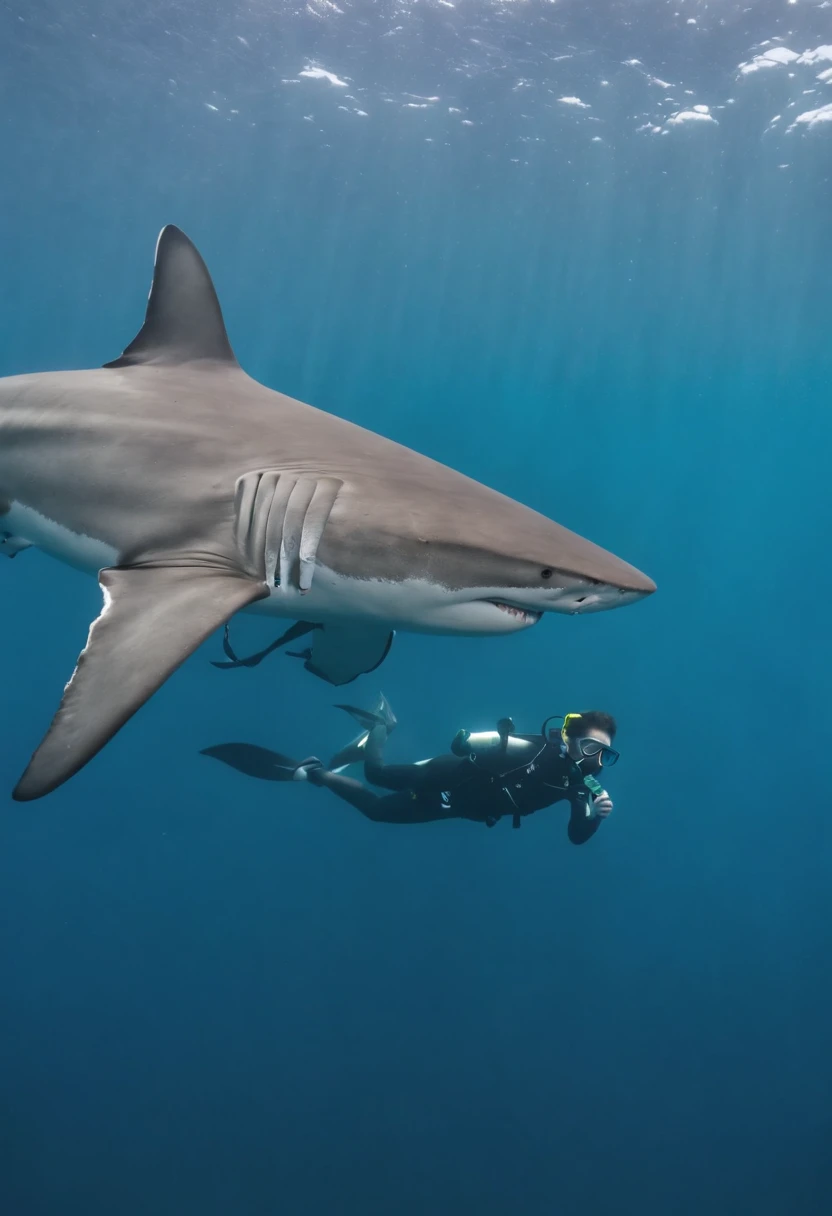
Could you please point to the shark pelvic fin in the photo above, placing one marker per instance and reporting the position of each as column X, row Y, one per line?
column 253, row 660
column 153, row 618
column 341, row 652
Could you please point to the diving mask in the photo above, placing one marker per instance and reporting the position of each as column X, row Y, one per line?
column 594, row 747
column 589, row 748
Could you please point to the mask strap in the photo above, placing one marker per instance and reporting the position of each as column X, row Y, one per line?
column 543, row 729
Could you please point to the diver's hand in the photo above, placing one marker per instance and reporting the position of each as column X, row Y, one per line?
column 602, row 805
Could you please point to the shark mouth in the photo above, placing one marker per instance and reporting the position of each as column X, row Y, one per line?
column 527, row 616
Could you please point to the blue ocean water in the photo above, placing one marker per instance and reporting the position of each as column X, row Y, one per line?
column 503, row 234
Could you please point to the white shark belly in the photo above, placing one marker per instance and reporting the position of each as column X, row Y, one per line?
column 414, row 605
column 332, row 597
column 85, row 553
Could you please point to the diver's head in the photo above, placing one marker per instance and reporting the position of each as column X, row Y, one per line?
column 588, row 738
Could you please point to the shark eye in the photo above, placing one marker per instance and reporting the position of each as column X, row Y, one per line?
column 547, row 573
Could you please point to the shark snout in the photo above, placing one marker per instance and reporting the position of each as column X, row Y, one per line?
column 578, row 596
column 600, row 583
column 599, row 598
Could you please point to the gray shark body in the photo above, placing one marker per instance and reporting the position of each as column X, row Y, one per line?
column 194, row 492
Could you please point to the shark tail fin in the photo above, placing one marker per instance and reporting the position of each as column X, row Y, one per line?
column 368, row 719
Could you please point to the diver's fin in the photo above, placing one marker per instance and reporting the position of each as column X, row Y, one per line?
column 341, row 653
column 364, row 717
column 254, row 761
column 183, row 322
column 382, row 715
column 385, row 711
column 153, row 617
column 351, row 753
column 10, row 546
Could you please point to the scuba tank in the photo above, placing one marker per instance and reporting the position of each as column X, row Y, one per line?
column 469, row 744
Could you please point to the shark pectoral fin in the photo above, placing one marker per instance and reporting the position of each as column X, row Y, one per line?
column 341, row 653
column 10, row 546
column 153, row 617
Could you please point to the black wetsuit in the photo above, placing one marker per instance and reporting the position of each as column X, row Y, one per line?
column 483, row 789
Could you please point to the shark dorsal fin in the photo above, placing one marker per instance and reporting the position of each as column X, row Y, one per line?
column 183, row 322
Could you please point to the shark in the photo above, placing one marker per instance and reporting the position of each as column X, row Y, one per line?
column 192, row 492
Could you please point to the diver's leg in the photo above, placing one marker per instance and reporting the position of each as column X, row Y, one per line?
column 439, row 773
column 386, row 776
column 429, row 777
column 374, row 749
column 401, row 807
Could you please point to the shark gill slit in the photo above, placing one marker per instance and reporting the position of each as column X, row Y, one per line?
column 279, row 522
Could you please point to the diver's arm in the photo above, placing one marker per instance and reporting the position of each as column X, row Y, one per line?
column 584, row 819
column 582, row 824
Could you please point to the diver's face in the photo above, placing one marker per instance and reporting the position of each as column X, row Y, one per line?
column 589, row 764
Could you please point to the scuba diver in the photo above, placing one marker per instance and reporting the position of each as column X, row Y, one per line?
column 484, row 777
